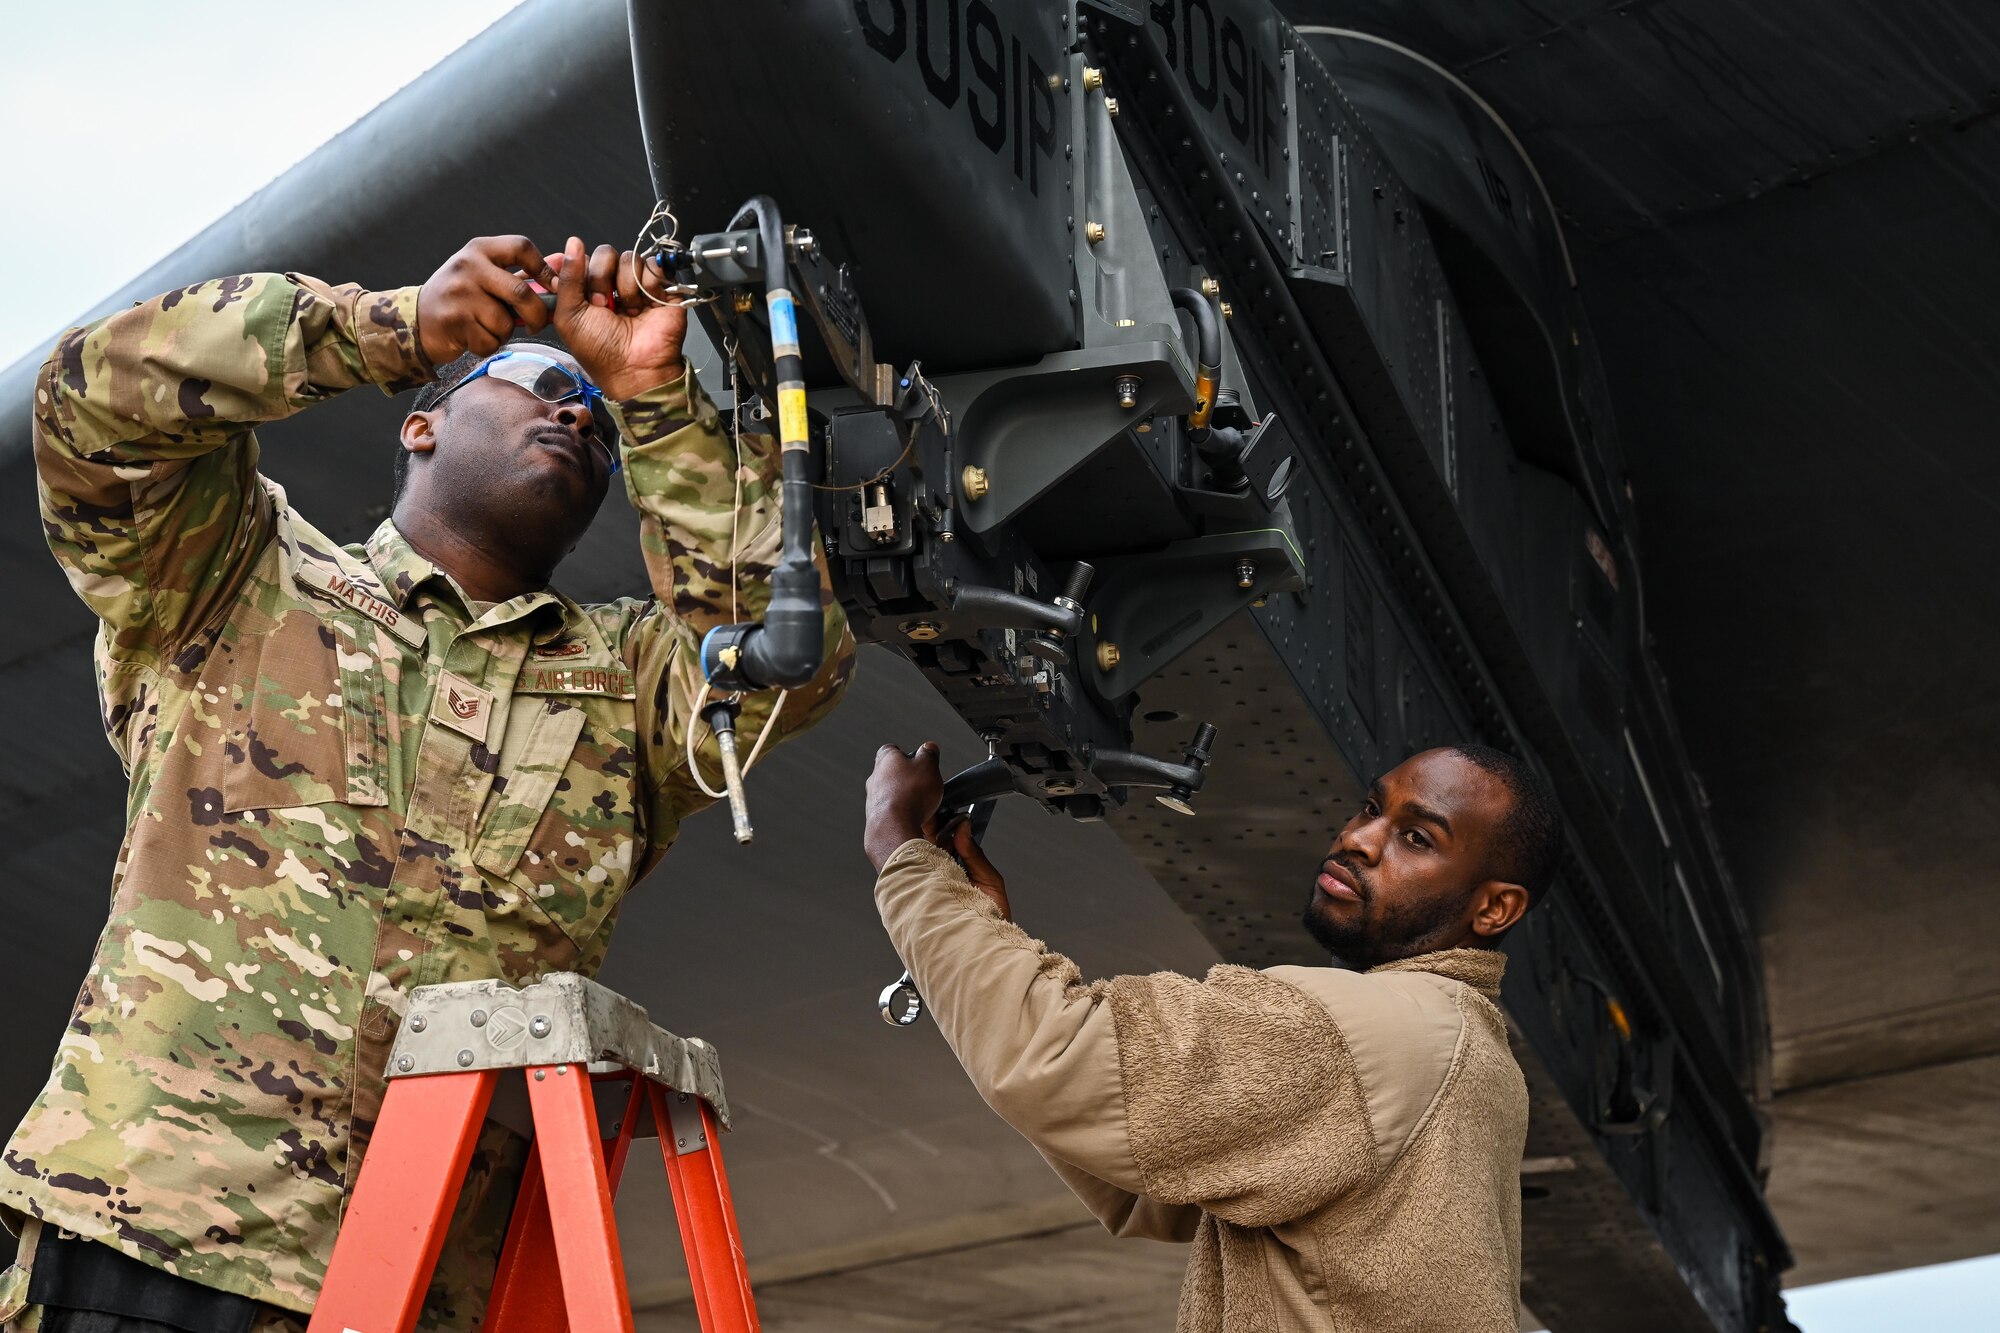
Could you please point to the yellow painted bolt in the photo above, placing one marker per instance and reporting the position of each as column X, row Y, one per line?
column 1093, row 78
column 974, row 482
column 743, row 301
column 1210, row 287
column 1227, row 311
column 1107, row 655
column 1111, row 107
column 1093, row 232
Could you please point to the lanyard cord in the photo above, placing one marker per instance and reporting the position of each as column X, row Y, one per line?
column 694, row 723
column 735, row 518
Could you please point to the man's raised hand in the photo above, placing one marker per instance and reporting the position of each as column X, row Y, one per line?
column 477, row 297
column 625, row 340
column 903, row 795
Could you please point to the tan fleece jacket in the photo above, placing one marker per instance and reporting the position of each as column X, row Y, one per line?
column 1343, row 1149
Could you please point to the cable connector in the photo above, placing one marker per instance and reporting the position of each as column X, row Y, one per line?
column 720, row 716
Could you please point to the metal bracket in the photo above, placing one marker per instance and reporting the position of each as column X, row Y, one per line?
column 684, row 1117
column 1121, row 294
column 1157, row 607
column 1029, row 428
column 859, row 444
column 826, row 290
column 726, row 259
column 563, row 1019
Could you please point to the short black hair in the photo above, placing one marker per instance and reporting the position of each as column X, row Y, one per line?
column 1531, row 838
column 449, row 376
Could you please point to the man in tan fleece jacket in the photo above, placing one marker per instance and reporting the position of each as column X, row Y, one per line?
column 1341, row 1144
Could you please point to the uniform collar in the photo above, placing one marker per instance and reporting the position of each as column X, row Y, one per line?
column 560, row 624
column 401, row 569
column 404, row 570
column 1480, row 969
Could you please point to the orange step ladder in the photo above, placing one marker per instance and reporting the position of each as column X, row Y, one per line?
column 559, row 1058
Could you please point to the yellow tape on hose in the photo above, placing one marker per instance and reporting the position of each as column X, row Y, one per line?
column 1204, row 399
column 792, row 416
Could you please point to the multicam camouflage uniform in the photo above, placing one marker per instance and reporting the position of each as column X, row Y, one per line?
column 345, row 782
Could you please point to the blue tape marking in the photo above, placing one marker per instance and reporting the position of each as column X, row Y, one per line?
column 784, row 320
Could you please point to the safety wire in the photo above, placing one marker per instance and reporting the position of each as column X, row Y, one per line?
column 909, row 438
column 735, row 518
column 648, row 240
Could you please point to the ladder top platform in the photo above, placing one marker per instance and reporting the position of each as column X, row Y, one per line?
column 563, row 1019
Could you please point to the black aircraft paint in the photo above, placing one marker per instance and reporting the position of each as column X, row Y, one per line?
column 1444, row 560
column 1008, row 94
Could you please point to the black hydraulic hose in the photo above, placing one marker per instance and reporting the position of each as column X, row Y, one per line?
column 1208, row 353
column 1223, row 446
column 785, row 651
column 789, row 371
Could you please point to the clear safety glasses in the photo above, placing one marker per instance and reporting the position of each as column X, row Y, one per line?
column 552, row 382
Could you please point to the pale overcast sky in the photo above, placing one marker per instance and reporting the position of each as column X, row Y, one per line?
column 127, row 127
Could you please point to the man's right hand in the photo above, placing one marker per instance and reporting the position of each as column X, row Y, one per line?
column 903, row 794
column 477, row 297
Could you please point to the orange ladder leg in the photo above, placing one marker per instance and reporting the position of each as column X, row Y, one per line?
column 584, row 1231
column 716, row 1269
column 527, row 1292
column 394, row 1225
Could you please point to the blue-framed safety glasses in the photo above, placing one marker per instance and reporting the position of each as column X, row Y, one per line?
column 552, row 382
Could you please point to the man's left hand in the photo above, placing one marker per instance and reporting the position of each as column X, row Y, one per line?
column 903, row 795
column 623, row 337
column 980, row 871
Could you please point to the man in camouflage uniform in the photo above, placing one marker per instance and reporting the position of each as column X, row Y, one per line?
column 357, row 770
